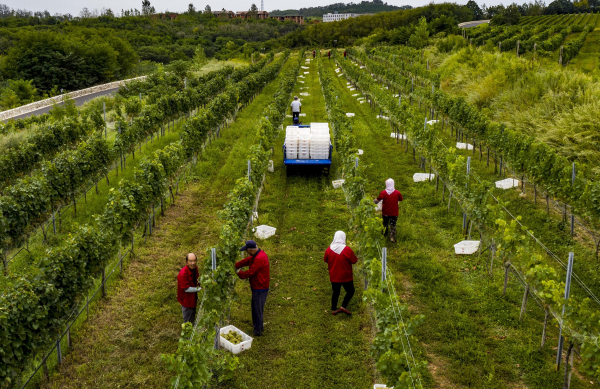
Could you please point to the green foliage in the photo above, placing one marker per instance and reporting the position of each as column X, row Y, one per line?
column 216, row 284
column 387, row 349
column 581, row 320
column 71, row 62
column 420, row 38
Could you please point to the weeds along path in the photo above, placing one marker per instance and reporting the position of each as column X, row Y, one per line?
column 121, row 344
column 472, row 335
column 303, row 345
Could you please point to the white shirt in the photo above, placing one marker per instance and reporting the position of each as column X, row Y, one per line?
column 296, row 106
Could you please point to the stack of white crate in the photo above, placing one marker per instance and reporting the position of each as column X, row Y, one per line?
column 291, row 142
column 319, row 141
column 304, row 137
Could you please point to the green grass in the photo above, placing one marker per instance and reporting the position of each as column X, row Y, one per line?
column 140, row 319
column 303, row 346
column 472, row 336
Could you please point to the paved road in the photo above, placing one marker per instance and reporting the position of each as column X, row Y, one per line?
column 78, row 101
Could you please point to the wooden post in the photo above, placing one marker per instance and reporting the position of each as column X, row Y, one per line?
column 546, row 314
column 103, row 282
column 506, row 270
column 524, row 303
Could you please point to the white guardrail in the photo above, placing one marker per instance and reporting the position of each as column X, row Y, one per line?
column 57, row 99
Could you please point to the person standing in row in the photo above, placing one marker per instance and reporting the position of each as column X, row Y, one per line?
column 296, row 108
column 314, row 54
column 329, row 54
column 339, row 259
column 259, row 275
column 187, row 288
column 389, row 210
column 344, row 54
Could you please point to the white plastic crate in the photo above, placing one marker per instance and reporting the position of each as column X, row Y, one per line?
column 352, row 88
column 234, row 348
column 304, row 94
column 379, row 206
column 467, row 247
column 399, row 136
column 360, row 152
column 304, row 67
column 271, row 168
column 381, row 386
column 418, row 177
column 263, row 231
column 383, row 117
column 306, row 72
column 338, row 183
column 432, row 122
column 464, row 146
column 356, row 94
column 349, row 86
column 292, row 155
column 349, row 114
column 360, row 98
column 340, row 75
column 362, row 101
column 301, row 82
column 319, row 156
column 507, row 183
column 302, row 114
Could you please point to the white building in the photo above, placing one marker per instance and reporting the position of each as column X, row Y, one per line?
column 335, row 17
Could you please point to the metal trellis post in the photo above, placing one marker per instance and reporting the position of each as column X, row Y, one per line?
column 567, row 291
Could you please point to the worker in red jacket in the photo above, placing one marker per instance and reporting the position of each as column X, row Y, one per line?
column 314, row 53
column 329, row 54
column 259, row 275
column 389, row 210
column 340, row 259
column 187, row 288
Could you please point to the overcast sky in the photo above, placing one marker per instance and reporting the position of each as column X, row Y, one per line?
column 73, row 7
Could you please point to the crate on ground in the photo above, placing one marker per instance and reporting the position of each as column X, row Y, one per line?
column 360, row 152
column 464, row 146
column 507, row 183
column 349, row 114
column 419, row 177
column 398, row 136
column 234, row 348
column 263, row 231
column 382, row 386
column 338, row 183
column 467, row 247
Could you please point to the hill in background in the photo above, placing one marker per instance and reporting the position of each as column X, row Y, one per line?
column 360, row 8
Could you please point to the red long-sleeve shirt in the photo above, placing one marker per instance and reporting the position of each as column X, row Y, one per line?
column 340, row 265
column 187, row 278
column 390, row 202
column 259, row 272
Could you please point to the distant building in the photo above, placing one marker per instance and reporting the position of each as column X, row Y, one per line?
column 259, row 15
column 231, row 14
column 247, row 15
column 292, row 18
column 335, row 17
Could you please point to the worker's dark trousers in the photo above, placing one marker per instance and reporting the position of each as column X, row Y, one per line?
column 295, row 115
column 189, row 314
column 258, row 308
column 337, row 287
column 391, row 222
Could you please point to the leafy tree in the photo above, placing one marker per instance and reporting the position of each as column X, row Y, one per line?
column 179, row 68
column 509, row 16
column 420, row 38
column 199, row 59
column 9, row 99
column 253, row 13
column 208, row 10
column 477, row 12
column 24, row 90
column 560, row 7
column 147, row 9
column 191, row 9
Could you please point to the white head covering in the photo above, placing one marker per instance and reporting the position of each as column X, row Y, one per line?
column 339, row 242
column 389, row 186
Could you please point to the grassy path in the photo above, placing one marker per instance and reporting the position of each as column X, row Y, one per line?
column 303, row 346
column 120, row 346
column 472, row 335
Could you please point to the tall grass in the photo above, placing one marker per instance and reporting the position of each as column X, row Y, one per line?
column 555, row 105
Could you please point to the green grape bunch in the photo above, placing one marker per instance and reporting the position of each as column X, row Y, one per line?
column 233, row 337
